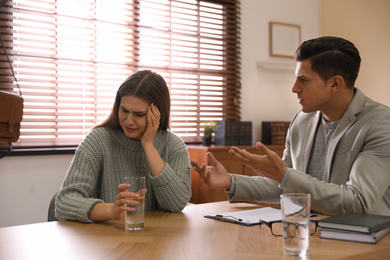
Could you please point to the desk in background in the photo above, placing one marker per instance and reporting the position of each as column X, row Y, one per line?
column 200, row 192
column 187, row 235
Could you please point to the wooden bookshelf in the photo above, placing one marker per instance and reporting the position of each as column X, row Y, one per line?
column 200, row 192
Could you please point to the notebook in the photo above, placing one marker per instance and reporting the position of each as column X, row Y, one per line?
column 339, row 234
column 360, row 222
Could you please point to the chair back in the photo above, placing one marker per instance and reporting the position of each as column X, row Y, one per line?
column 51, row 215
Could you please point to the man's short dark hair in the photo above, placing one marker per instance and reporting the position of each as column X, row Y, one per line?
column 331, row 56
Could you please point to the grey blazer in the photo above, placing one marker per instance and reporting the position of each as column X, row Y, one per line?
column 357, row 166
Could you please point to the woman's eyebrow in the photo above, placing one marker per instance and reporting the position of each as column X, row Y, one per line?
column 138, row 111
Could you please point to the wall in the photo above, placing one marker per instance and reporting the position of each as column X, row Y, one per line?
column 27, row 184
column 366, row 24
column 266, row 93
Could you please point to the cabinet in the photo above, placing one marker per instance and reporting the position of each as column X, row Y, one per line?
column 200, row 192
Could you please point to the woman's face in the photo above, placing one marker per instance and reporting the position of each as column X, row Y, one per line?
column 132, row 116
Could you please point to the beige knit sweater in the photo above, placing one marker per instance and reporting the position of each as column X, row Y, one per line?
column 105, row 157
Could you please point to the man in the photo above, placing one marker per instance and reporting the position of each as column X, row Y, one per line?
column 337, row 147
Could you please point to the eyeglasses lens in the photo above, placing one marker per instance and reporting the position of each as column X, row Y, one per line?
column 277, row 228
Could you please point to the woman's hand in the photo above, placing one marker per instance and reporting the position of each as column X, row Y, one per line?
column 156, row 164
column 116, row 210
column 153, row 119
column 111, row 211
column 125, row 199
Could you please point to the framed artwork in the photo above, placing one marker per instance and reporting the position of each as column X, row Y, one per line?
column 284, row 39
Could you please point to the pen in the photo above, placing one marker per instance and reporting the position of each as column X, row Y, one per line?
column 222, row 216
column 194, row 168
column 227, row 219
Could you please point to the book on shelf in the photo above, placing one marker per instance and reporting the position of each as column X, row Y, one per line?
column 245, row 133
column 338, row 234
column 274, row 132
column 226, row 133
column 233, row 133
column 358, row 222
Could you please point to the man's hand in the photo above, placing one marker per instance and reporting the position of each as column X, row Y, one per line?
column 215, row 177
column 269, row 165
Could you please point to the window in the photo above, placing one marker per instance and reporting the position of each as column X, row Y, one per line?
column 70, row 56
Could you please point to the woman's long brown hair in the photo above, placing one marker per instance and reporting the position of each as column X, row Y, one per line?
column 146, row 85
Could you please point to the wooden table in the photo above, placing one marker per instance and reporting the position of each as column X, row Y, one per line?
column 182, row 236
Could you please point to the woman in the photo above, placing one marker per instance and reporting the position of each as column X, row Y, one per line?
column 133, row 141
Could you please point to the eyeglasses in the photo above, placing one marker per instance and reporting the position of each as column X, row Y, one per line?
column 277, row 228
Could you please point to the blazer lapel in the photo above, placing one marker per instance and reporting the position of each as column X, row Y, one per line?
column 308, row 141
column 346, row 121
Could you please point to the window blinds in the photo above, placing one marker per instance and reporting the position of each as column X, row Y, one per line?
column 70, row 56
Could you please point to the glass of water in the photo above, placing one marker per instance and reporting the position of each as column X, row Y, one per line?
column 135, row 220
column 296, row 223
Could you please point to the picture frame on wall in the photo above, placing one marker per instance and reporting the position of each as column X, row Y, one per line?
column 284, row 39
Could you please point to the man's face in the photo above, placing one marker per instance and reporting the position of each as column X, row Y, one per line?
column 312, row 92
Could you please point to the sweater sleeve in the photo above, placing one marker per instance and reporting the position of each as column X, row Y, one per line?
column 79, row 189
column 173, row 185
